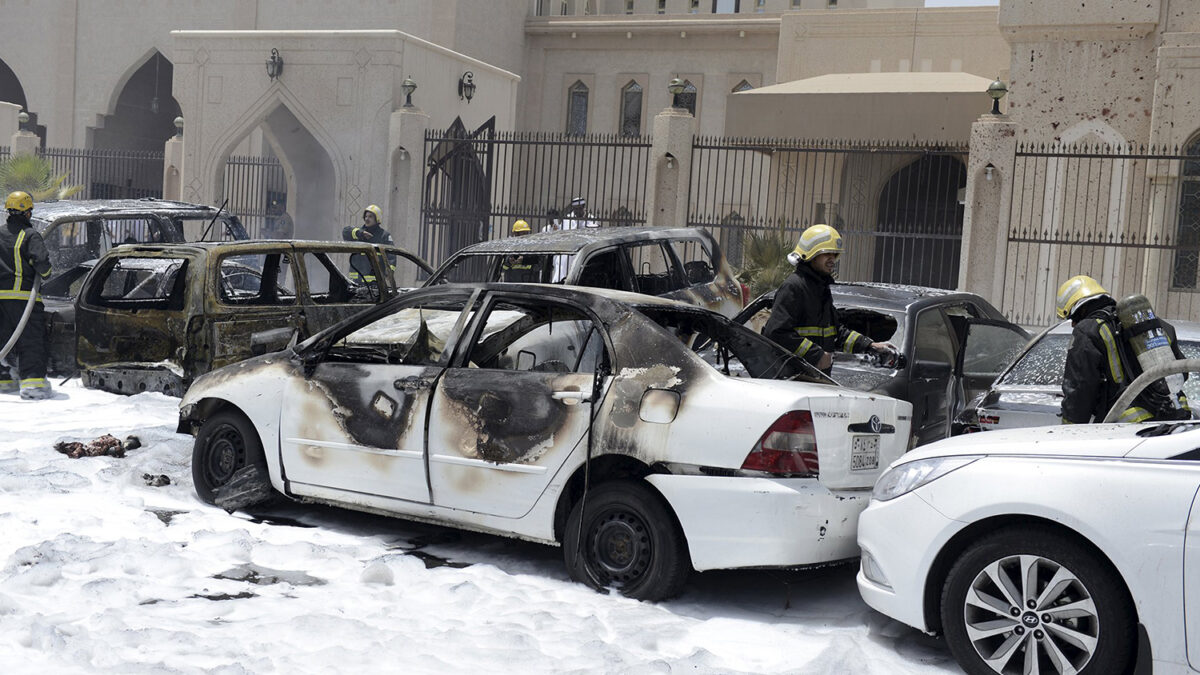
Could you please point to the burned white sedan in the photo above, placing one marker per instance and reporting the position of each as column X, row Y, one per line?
column 647, row 437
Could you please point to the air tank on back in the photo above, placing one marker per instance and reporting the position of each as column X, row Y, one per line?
column 1145, row 335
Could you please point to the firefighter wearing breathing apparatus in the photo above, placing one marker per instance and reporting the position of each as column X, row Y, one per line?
column 1111, row 344
column 803, row 319
column 23, row 257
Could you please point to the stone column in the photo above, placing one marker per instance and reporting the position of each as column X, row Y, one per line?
column 25, row 143
column 406, row 148
column 989, row 194
column 173, row 164
column 670, row 171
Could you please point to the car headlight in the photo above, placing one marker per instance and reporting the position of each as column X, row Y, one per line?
column 909, row 476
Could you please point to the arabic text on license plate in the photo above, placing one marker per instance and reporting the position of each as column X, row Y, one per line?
column 864, row 453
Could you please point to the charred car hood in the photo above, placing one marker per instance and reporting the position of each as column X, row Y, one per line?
column 1082, row 440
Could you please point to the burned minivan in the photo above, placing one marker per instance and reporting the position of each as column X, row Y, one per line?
column 153, row 317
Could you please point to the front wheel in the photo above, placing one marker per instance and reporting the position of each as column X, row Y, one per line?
column 228, row 453
column 622, row 535
column 1034, row 601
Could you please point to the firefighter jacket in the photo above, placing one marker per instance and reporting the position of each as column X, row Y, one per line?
column 360, row 266
column 23, row 257
column 804, row 321
column 1100, row 365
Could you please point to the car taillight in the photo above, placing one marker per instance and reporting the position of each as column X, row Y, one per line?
column 745, row 294
column 788, row 447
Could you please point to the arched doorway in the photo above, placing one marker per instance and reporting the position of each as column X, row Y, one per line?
column 289, row 171
column 919, row 223
column 11, row 91
column 144, row 115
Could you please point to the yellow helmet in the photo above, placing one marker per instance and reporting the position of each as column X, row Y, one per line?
column 19, row 201
column 1074, row 291
column 377, row 211
column 814, row 241
column 520, row 227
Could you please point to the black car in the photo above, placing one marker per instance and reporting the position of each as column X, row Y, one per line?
column 952, row 345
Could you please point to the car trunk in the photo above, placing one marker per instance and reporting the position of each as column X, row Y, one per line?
column 858, row 437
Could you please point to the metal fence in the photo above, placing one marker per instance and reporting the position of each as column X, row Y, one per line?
column 1128, row 216
column 257, row 192
column 897, row 204
column 109, row 174
column 478, row 183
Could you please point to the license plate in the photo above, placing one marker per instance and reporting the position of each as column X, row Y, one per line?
column 864, row 453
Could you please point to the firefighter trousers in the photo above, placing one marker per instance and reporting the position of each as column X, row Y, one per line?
column 30, row 352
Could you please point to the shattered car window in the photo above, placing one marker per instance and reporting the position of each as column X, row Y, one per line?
column 521, row 267
column 327, row 284
column 540, row 337
column 733, row 349
column 697, row 260
column 142, row 282
column 1042, row 365
column 408, row 336
column 255, row 279
column 654, row 269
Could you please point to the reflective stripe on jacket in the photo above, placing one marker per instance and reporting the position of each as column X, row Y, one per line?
column 24, row 258
column 804, row 321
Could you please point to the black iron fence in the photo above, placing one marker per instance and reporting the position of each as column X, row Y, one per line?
column 477, row 184
column 109, row 174
column 897, row 205
column 257, row 192
column 1127, row 215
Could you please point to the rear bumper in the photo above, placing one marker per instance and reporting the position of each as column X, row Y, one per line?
column 733, row 522
column 134, row 379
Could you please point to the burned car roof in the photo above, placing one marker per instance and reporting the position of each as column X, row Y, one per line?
column 76, row 209
column 892, row 296
column 570, row 241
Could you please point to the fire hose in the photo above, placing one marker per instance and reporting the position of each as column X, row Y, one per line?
column 37, row 284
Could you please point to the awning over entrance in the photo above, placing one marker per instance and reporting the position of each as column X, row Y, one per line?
column 875, row 106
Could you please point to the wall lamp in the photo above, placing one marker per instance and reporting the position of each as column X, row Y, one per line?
column 466, row 86
column 408, row 87
column 988, row 171
column 274, row 64
column 997, row 89
column 675, row 86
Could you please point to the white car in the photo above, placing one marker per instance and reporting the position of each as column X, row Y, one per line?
column 1061, row 549
column 569, row 416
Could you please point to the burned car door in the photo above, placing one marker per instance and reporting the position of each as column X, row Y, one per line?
column 513, row 407
column 252, row 306
column 988, row 347
column 130, row 319
column 931, row 376
column 356, row 421
column 329, row 294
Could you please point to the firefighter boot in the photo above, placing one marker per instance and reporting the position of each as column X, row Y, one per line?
column 8, row 379
column 35, row 389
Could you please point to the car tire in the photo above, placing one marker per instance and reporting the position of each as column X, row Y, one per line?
column 226, row 444
column 1097, row 635
column 623, row 536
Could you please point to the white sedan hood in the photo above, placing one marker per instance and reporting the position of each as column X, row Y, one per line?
column 1082, row 440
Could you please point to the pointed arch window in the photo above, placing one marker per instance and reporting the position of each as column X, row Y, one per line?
column 1186, row 263
column 631, row 109
column 577, row 109
column 687, row 99
column 743, row 86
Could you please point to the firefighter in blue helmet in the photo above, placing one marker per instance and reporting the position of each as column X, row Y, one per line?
column 803, row 319
column 371, row 231
column 23, row 257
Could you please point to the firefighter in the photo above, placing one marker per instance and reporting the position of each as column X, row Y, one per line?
column 519, row 267
column 520, row 228
column 372, row 231
column 1099, row 363
column 23, row 256
column 803, row 319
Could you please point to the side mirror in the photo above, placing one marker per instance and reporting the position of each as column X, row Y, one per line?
column 932, row 370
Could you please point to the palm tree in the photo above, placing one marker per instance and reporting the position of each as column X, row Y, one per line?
column 35, row 175
column 764, row 261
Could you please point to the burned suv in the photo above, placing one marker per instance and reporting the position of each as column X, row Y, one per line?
column 683, row 263
column 154, row 317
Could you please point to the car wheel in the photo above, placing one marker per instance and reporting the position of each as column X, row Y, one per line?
column 1034, row 601
column 622, row 536
column 226, row 445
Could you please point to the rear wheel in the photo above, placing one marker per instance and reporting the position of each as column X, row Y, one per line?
column 1035, row 601
column 226, row 445
column 623, row 536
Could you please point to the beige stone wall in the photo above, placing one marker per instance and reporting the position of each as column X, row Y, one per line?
column 900, row 40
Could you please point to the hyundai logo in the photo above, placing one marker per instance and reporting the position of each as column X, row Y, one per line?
column 876, row 427
column 1029, row 619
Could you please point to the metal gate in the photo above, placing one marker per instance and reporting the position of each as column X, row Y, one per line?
column 898, row 205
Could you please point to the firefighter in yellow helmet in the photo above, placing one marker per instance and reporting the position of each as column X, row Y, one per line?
column 520, row 228
column 23, row 256
column 372, row 231
column 518, row 267
column 1099, row 363
column 803, row 319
